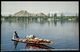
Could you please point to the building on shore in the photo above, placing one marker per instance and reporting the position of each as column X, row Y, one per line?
column 25, row 13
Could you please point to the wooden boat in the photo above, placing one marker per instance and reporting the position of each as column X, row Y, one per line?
column 31, row 39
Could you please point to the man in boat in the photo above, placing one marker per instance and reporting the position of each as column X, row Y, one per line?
column 15, row 35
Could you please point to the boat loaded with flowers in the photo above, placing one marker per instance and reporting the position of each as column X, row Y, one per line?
column 30, row 39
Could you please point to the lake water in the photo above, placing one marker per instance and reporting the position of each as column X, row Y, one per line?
column 64, row 34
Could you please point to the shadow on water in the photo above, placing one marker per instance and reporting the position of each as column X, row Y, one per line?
column 15, row 44
column 34, row 46
column 55, row 22
column 39, row 46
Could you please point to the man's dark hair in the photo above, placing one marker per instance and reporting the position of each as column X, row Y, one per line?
column 16, row 34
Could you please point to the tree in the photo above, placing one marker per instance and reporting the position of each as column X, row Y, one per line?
column 10, row 15
column 62, row 15
column 55, row 15
column 49, row 15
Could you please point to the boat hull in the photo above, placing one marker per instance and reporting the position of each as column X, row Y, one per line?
column 32, row 41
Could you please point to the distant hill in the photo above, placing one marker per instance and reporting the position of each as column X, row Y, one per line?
column 25, row 13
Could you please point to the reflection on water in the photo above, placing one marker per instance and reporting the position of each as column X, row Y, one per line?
column 34, row 46
column 39, row 46
column 15, row 44
column 35, row 20
column 65, row 34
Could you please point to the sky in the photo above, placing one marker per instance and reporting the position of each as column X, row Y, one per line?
column 66, row 7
